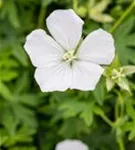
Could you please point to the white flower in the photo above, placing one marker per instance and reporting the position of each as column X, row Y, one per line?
column 64, row 61
column 71, row 145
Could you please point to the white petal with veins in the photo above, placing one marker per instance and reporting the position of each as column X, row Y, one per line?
column 55, row 78
column 85, row 75
column 42, row 49
column 66, row 27
column 98, row 47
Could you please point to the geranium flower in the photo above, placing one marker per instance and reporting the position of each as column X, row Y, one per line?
column 65, row 61
column 71, row 145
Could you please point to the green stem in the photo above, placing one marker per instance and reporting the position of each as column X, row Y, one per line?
column 108, row 121
column 41, row 17
column 124, row 15
column 121, row 144
column 116, row 109
column 75, row 4
column 121, row 105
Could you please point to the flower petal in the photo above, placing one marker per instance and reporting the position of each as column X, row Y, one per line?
column 98, row 47
column 85, row 75
column 42, row 49
column 71, row 145
column 56, row 78
column 66, row 27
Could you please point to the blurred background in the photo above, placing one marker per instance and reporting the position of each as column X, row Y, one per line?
column 32, row 120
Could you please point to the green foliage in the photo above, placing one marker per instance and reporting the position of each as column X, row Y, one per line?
column 125, row 41
column 103, row 118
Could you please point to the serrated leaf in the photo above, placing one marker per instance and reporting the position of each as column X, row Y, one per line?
column 71, row 108
column 122, row 39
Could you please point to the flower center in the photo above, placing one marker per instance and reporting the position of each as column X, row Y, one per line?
column 117, row 74
column 69, row 56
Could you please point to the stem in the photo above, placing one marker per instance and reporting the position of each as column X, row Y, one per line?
column 75, row 4
column 116, row 109
column 108, row 121
column 121, row 144
column 41, row 17
column 121, row 105
column 124, row 15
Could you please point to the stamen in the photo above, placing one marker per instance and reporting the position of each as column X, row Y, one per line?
column 117, row 74
column 69, row 56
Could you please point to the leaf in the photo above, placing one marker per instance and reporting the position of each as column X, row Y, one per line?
column 20, row 54
column 71, row 108
column 130, row 110
column 12, row 13
column 98, row 111
column 100, row 92
column 5, row 92
column 124, row 40
column 87, row 114
column 131, row 134
column 76, row 128
column 23, row 134
column 24, row 114
column 23, row 148
column 8, row 75
column 29, row 99
column 46, row 2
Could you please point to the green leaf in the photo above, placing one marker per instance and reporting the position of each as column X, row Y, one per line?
column 8, row 75
column 100, row 92
column 46, row 2
column 71, row 108
column 75, row 126
column 130, row 109
column 12, row 13
column 98, row 111
column 20, row 54
column 124, row 40
column 23, row 148
column 5, row 91
column 24, row 114
column 87, row 114
column 132, row 134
